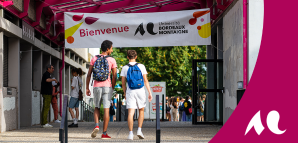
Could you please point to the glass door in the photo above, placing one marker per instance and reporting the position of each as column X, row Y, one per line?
column 207, row 87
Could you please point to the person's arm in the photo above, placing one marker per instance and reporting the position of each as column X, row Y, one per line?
column 115, row 101
column 114, row 70
column 50, row 80
column 124, row 85
column 147, row 86
column 88, row 93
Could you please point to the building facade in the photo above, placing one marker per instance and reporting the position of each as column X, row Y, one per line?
column 25, row 52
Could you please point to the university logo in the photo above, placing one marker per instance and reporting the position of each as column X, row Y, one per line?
column 272, row 123
column 149, row 28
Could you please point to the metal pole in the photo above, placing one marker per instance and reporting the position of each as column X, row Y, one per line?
column 65, row 123
column 157, row 120
column 163, row 105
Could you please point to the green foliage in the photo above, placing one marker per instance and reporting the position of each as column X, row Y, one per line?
column 170, row 64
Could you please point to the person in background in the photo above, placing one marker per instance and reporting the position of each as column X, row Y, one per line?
column 171, row 107
column 183, row 112
column 175, row 109
column 74, row 98
column 168, row 109
column 46, row 92
column 203, row 106
column 180, row 106
column 54, row 100
column 111, row 115
column 80, row 73
column 187, row 105
column 115, row 106
column 199, row 112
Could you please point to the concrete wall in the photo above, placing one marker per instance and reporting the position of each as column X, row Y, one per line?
column 26, row 85
column 37, row 70
column 232, row 57
column 255, row 30
column 9, row 119
column 35, row 108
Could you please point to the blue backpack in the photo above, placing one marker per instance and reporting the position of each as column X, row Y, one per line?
column 134, row 77
column 101, row 68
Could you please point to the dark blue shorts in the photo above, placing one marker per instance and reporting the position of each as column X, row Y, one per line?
column 73, row 102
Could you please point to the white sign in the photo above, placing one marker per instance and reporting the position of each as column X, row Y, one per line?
column 28, row 32
column 157, row 88
column 178, row 28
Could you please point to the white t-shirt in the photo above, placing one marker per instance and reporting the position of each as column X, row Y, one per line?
column 75, row 92
column 80, row 81
column 125, row 69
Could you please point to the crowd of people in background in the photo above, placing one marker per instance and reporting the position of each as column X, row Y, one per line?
column 180, row 109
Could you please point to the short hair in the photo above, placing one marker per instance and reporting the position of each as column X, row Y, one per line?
column 131, row 54
column 105, row 45
column 48, row 66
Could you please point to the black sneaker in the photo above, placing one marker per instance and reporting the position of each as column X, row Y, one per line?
column 73, row 125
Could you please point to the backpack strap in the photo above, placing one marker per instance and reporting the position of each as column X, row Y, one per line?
column 132, row 65
column 98, row 56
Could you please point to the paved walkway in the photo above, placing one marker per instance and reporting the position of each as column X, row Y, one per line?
column 170, row 132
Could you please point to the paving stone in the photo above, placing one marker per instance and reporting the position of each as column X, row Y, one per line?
column 170, row 132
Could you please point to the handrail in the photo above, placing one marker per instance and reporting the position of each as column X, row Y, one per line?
column 87, row 112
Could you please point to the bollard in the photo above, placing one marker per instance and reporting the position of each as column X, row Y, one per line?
column 63, row 138
column 157, row 120
column 163, row 111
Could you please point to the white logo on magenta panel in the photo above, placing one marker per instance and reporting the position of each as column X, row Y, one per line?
column 272, row 123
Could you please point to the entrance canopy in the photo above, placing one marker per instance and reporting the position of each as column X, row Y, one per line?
column 52, row 11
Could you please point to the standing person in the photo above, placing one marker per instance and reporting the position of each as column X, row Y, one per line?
column 175, row 109
column 46, row 91
column 115, row 106
column 111, row 111
column 74, row 97
column 171, row 108
column 200, row 109
column 54, row 100
column 136, row 76
column 180, row 105
column 168, row 109
column 203, row 106
column 103, row 88
column 187, row 108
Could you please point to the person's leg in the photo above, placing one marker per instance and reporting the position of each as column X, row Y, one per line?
column 46, row 107
column 71, row 106
column 55, row 108
column 96, row 115
column 202, row 118
column 77, row 108
column 131, row 113
column 71, row 113
column 106, row 117
column 77, row 113
column 141, row 117
column 107, row 93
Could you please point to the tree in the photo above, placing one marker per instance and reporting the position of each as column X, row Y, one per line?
column 170, row 64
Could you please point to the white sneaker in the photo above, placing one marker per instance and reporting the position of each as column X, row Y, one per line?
column 130, row 137
column 140, row 135
column 57, row 121
column 47, row 126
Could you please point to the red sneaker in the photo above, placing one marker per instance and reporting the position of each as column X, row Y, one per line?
column 95, row 131
column 105, row 136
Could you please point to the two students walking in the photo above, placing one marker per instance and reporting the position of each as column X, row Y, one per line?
column 136, row 76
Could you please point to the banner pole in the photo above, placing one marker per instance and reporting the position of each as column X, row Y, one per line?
column 61, row 83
